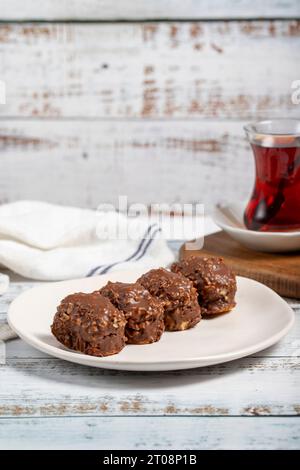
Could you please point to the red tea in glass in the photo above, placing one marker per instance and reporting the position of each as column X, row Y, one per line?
column 275, row 201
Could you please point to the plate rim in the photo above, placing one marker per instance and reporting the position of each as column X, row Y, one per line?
column 245, row 231
column 111, row 362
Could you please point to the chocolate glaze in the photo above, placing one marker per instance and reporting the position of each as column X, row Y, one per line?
column 214, row 281
column 178, row 296
column 144, row 313
column 89, row 323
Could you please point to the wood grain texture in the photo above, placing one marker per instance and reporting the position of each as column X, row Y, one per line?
column 281, row 271
column 87, row 163
column 247, row 387
column 228, row 69
column 94, row 81
column 150, row 433
column 149, row 9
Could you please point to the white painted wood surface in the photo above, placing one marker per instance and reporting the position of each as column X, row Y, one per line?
column 247, row 387
column 235, row 69
column 86, row 163
column 150, row 110
column 146, row 9
column 249, row 403
column 128, row 433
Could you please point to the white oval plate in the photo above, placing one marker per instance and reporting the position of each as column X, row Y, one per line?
column 230, row 219
column 259, row 320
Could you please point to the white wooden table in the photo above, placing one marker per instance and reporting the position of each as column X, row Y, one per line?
column 251, row 403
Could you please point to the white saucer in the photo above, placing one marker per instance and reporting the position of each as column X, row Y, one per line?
column 230, row 219
column 259, row 320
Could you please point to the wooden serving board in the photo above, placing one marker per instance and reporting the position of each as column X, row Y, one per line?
column 281, row 271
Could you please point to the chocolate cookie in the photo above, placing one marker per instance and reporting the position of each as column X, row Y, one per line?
column 144, row 313
column 214, row 281
column 89, row 323
column 179, row 298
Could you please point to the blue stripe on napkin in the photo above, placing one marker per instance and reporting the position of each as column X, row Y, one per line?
column 136, row 255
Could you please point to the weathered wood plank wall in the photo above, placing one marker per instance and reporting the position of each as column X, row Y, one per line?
column 146, row 9
column 85, row 162
column 151, row 109
column 190, row 70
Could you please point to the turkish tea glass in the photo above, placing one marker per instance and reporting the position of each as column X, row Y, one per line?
column 275, row 200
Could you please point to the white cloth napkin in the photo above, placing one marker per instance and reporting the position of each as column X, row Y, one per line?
column 6, row 332
column 49, row 242
column 4, row 283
